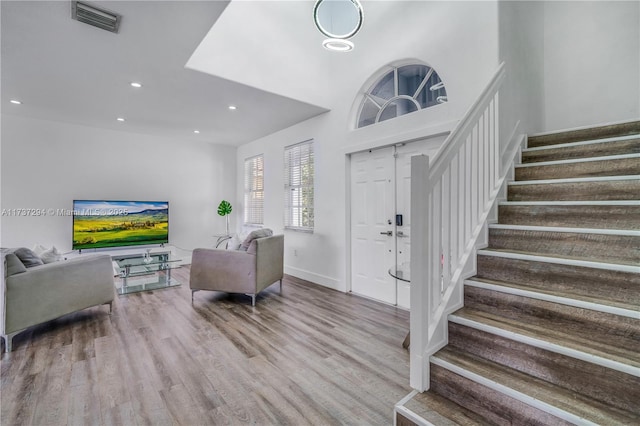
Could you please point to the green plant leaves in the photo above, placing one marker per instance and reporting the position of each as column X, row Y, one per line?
column 224, row 208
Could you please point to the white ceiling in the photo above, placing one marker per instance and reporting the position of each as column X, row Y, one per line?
column 295, row 64
column 67, row 71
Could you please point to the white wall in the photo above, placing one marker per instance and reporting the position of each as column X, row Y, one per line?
column 592, row 62
column 257, row 42
column 522, row 49
column 569, row 64
column 459, row 39
column 49, row 164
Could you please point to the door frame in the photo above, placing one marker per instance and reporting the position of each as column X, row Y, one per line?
column 436, row 134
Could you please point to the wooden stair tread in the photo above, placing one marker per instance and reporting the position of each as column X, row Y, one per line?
column 615, row 388
column 632, row 262
column 629, row 305
column 593, row 168
column 572, row 216
column 600, row 149
column 606, row 332
column 607, row 190
column 442, row 411
column 582, row 244
column 490, row 403
column 543, row 329
column 540, row 390
column 586, row 134
column 603, row 284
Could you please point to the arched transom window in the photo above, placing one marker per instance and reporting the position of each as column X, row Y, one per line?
column 402, row 90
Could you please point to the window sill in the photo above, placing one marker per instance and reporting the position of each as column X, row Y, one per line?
column 302, row 230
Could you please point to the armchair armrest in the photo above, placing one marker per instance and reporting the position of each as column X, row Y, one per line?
column 269, row 260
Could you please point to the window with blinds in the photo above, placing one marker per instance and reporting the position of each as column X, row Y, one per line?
column 298, row 186
column 254, row 190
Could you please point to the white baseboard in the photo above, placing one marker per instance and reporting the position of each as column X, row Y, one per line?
column 314, row 278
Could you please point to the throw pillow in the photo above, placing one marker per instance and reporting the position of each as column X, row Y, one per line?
column 258, row 233
column 14, row 265
column 28, row 257
column 39, row 249
column 51, row 255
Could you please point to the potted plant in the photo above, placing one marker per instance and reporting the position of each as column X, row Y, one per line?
column 224, row 209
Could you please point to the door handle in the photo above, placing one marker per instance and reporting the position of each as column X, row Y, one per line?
column 389, row 233
column 401, row 234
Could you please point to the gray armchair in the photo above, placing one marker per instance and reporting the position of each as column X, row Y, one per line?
column 42, row 293
column 232, row 271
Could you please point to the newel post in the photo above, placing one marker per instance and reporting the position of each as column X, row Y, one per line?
column 420, row 305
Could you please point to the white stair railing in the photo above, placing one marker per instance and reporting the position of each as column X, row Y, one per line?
column 450, row 201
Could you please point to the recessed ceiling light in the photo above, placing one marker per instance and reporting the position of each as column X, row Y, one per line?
column 120, row 119
column 15, row 101
column 233, row 107
column 135, row 84
column 338, row 45
column 196, row 131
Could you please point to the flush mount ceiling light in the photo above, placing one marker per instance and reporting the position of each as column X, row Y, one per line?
column 120, row 119
column 233, row 107
column 338, row 20
column 136, row 85
column 196, row 131
column 337, row 45
column 15, row 102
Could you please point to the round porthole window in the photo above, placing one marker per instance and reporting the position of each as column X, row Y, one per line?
column 338, row 19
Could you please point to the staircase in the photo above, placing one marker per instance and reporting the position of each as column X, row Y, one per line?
column 550, row 329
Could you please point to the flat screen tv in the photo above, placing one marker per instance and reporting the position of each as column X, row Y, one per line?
column 103, row 224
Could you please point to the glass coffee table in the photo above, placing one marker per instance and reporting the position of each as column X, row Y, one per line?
column 151, row 271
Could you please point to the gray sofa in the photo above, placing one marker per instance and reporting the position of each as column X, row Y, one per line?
column 238, row 271
column 41, row 293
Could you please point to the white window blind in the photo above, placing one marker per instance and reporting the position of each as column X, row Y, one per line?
column 254, row 190
column 298, row 186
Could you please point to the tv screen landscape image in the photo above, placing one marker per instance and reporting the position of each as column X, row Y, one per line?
column 103, row 224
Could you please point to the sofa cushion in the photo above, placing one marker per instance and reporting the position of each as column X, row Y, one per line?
column 14, row 265
column 28, row 257
column 51, row 255
column 234, row 243
column 258, row 233
column 39, row 249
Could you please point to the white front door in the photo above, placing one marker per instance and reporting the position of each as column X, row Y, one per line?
column 373, row 249
column 403, row 209
column 381, row 220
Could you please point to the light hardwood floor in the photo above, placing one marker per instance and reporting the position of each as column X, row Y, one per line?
column 307, row 356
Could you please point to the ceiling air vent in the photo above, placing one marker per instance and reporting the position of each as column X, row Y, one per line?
column 95, row 16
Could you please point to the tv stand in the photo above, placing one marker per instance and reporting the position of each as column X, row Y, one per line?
column 144, row 271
